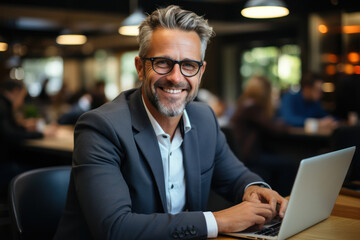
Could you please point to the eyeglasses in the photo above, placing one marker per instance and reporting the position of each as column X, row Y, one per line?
column 163, row 65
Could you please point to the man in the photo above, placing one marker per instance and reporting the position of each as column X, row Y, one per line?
column 296, row 108
column 143, row 164
column 12, row 133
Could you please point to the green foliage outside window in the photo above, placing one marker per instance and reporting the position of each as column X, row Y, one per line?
column 281, row 65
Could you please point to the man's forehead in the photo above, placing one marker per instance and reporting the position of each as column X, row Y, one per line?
column 164, row 39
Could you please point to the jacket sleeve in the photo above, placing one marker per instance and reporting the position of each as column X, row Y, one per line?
column 103, row 193
column 230, row 175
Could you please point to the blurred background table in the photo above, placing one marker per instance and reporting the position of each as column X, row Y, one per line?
column 54, row 150
column 297, row 144
column 63, row 140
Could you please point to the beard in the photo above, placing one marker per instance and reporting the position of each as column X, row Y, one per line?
column 170, row 107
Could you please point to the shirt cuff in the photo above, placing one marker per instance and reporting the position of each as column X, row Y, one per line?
column 211, row 225
column 261, row 184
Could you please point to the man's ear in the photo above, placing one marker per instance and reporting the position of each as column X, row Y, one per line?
column 202, row 70
column 139, row 64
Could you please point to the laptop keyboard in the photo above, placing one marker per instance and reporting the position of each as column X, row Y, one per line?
column 270, row 231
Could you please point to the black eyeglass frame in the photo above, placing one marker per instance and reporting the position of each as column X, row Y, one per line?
column 152, row 59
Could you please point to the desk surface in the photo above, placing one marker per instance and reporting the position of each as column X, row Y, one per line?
column 63, row 140
column 347, row 206
column 333, row 228
column 344, row 223
column 323, row 132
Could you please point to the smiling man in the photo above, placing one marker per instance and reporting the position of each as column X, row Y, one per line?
column 169, row 85
column 144, row 164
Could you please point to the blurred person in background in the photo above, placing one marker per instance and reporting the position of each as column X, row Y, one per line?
column 218, row 105
column 88, row 100
column 44, row 96
column 98, row 94
column 253, row 123
column 82, row 105
column 13, row 129
column 297, row 107
column 60, row 103
column 41, row 105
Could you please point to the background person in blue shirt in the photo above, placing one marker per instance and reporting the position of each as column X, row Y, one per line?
column 297, row 107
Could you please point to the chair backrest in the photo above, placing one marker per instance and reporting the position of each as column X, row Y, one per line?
column 37, row 200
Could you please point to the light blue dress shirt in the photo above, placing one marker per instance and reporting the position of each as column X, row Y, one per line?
column 174, row 174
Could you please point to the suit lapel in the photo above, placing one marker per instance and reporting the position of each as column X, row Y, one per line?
column 192, row 169
column 146, row 141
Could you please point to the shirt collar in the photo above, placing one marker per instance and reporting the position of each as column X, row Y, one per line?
column 156, row 126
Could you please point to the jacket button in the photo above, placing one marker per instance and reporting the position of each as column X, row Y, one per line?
column 193, row 231
column 175, row 235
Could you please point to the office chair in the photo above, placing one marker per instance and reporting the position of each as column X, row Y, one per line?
column 37, row 199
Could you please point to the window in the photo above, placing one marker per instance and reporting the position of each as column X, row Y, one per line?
column 128, row 76
column 37, row 70
column 281, row 65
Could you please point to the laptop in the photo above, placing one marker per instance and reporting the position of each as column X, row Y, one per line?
column 313, row 195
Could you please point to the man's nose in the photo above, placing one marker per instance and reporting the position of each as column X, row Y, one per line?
column 175, row 75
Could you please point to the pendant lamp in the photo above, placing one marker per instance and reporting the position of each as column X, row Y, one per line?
column 69, row 37
column 265, row 9
column 3, row 45
column 130, row 26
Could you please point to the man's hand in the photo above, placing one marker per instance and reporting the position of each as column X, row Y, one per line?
column 243, row 216
column 259, row 206
column 259, row 194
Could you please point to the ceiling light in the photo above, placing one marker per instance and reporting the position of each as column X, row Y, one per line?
column 130, row 26
column 353, row 57
column 323, row 28
column 328, row 87
column 71, row 39
column 351, row 29
column 3, row 46
column 265, row 9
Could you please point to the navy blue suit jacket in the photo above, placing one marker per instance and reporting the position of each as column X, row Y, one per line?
column 117, row 188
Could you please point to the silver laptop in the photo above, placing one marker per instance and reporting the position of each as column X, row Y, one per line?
column 313, row 196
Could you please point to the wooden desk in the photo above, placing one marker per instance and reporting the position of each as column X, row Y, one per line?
column 323, row 132
column 63, row 140
column 50, row 151
column 347, row 206
column 344, row 223
column 333, row 228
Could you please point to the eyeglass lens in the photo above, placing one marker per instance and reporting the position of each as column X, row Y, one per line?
column 164, row 66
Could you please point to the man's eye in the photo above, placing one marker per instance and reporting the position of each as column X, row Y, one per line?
column 189, row 65
column 163, row 63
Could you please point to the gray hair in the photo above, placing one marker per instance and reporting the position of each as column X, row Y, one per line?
column 173, row 17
